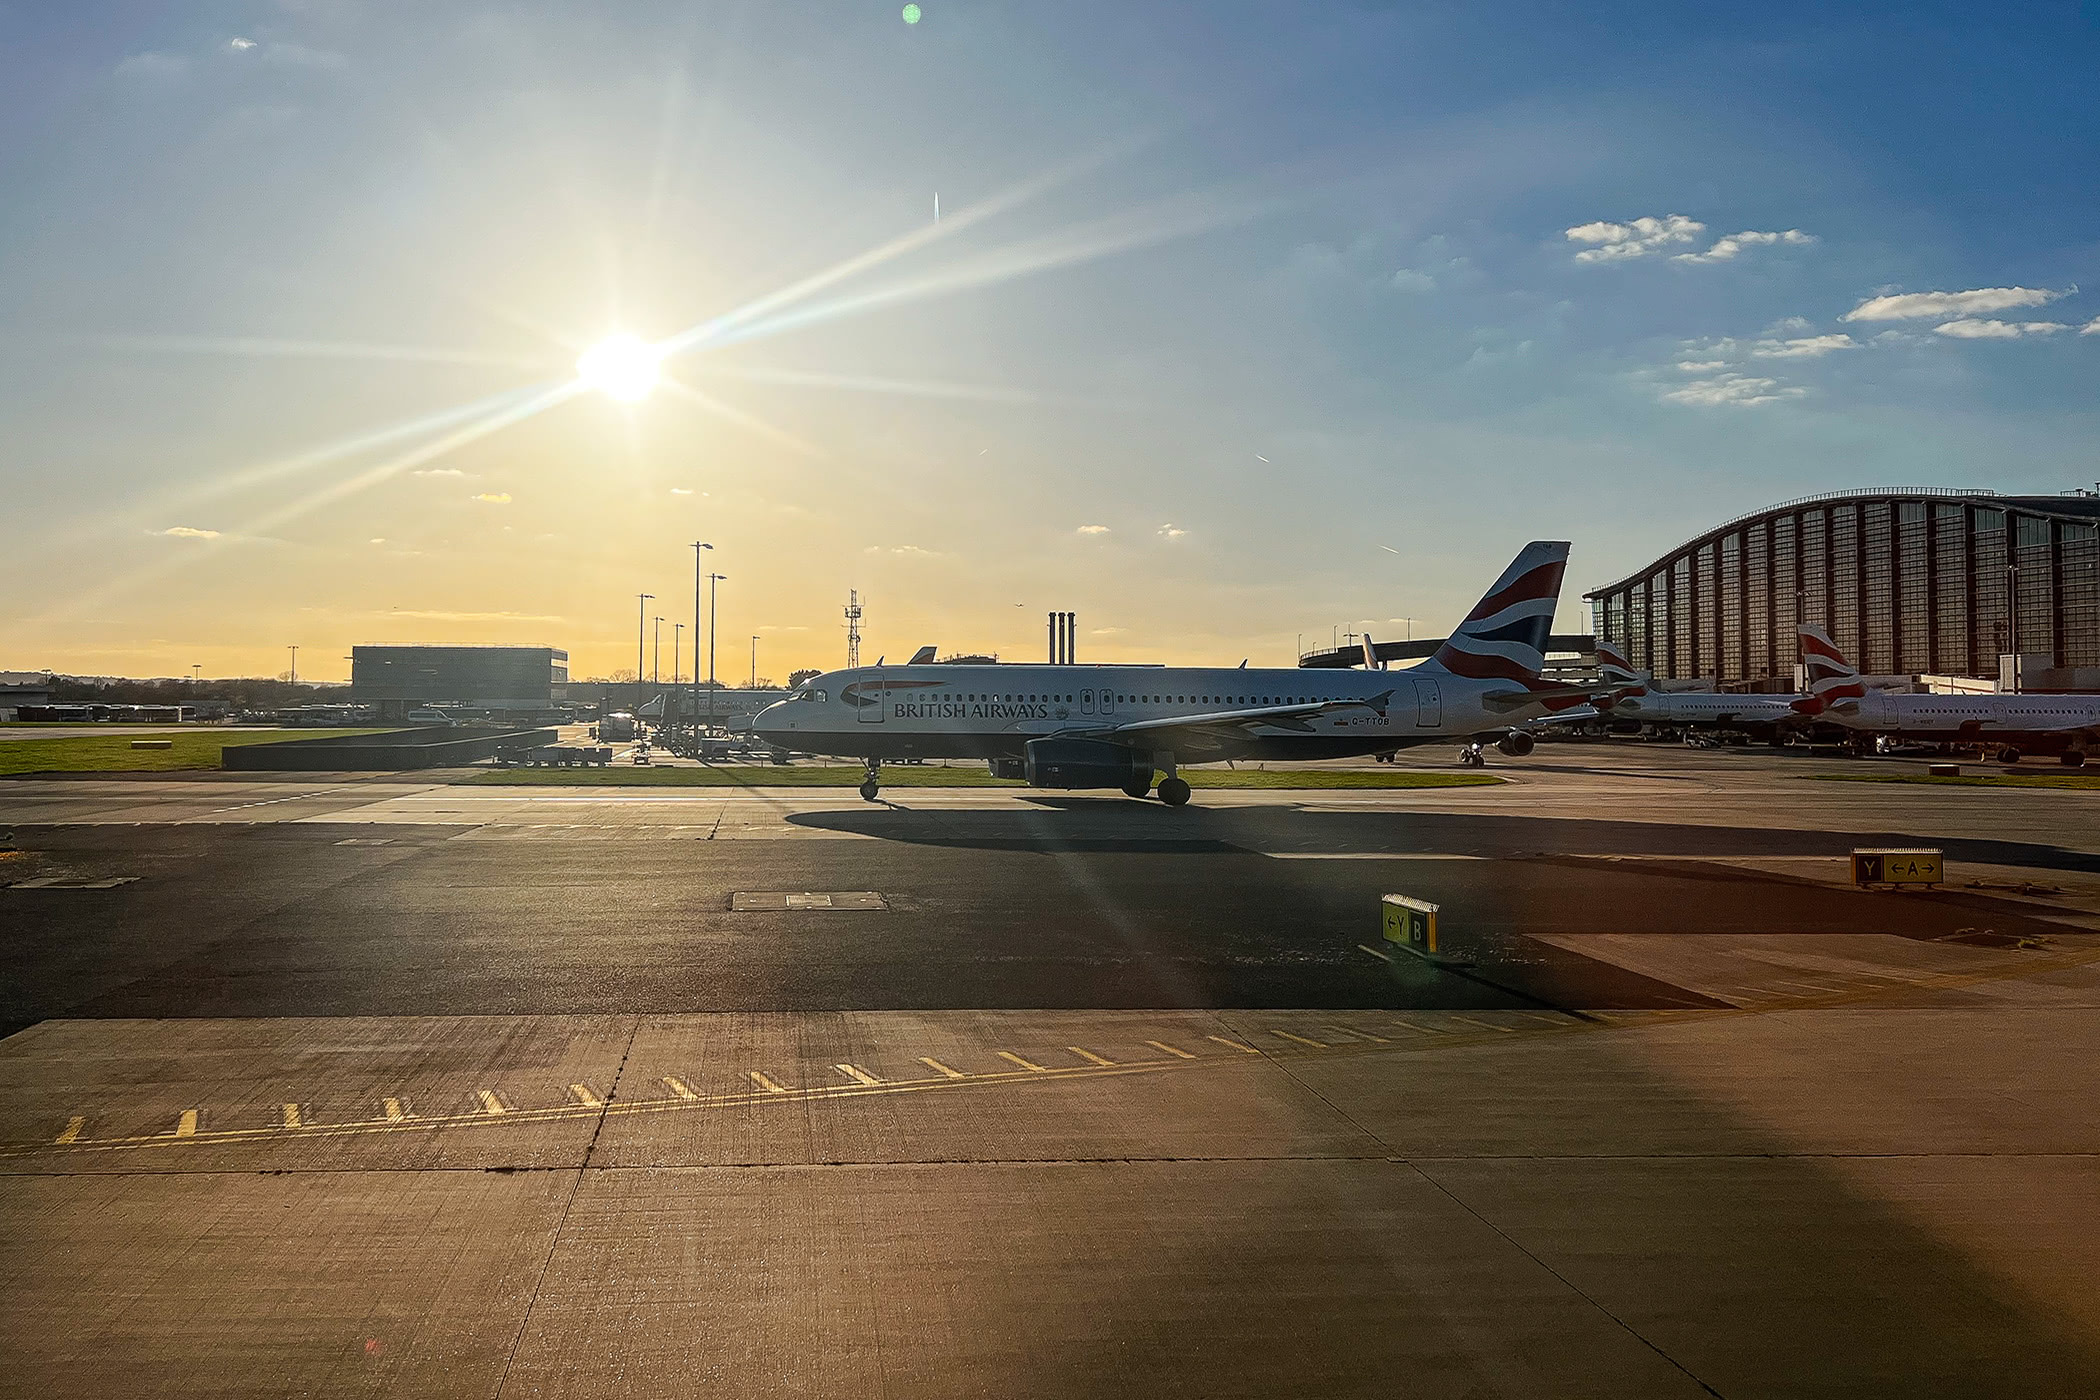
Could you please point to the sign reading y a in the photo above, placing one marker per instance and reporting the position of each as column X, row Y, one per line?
column 1897, row 867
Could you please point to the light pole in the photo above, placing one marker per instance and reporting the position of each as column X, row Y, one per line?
column 754, row 660
column 712, row 580
column 698, row 545
column 656, row 656
column 641, row 643
column 677, row 631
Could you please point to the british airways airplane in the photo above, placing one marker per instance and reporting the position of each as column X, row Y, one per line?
column 2012, row 724
column 1632, row 697
column 1075, row 726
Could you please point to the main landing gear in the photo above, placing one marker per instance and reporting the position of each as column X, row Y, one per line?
column 1174, row 792
column 1473, row 756
column 871, row 786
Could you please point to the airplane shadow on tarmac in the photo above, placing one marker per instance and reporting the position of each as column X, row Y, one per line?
column 1094, row 823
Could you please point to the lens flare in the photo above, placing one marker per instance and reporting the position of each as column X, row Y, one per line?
column 620, row 366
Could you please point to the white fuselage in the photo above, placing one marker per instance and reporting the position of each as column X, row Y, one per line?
column 992, row 711
column 1707, row 709
column 1956, row 719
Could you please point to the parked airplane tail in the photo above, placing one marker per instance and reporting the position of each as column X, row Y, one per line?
column 1504, row 637
column 1619, row 674
column 1833, row 682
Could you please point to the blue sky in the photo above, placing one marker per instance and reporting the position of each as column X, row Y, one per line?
column 1241, row 321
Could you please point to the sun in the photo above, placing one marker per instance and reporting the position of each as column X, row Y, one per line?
column 621, row 366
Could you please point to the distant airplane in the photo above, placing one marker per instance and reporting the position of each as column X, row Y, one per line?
column 2014, row 725
column 1074, row 726
column 1629, row 694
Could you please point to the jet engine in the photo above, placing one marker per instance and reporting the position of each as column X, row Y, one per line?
column 1516, row 743
column 1084, row 763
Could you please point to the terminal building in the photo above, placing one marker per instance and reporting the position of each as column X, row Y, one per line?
column 1908, row 581
column 490, row 680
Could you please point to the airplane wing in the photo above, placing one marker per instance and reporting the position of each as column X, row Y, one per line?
column 1277, row 716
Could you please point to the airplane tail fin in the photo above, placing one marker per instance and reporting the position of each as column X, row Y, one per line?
column 1833, row 682
column 1504, row 637
column 1371, row 661
column 1618, row 674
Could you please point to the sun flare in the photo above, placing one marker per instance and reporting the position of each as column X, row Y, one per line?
column 620, row 366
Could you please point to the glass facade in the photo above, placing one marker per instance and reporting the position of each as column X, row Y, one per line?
column 1906, row 582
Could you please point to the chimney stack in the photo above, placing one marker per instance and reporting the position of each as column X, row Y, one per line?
column 1064, row 635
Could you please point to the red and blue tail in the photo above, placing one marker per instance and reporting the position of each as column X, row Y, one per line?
column 1504, row 637
column 1833, row 682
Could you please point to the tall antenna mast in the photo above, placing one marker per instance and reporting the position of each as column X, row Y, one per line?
column 852, row 627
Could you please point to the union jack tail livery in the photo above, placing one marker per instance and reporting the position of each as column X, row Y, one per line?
column 1504, row 637
column 1833, row 682
column 1619, row 674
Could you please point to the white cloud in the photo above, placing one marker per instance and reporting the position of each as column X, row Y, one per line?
column 440, row 616
column 189, row 532
column 1106, row 631
column 495, row 498
column 1970, row 329
column 2091, row 327
column 1728, row 248
column 438, row 471
column 1701, row 366
column 905, row 551
column 240, row 45
column 1617, row 242
column 1740, row 390
column 1408, row 279
column 1171, row 532
column 1093, row 529
column 377, row 539
column 1905, row 306
column 1803, row 348
column 681, row 490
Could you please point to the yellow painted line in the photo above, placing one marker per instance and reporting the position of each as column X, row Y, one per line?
column 1418, row 1030
column 1024, row 1064
column 1302, row 1040
column 937, row 1067
column 72, row 1129
column 1090, row 1057
column 759, row 1078
column 856, row 1074
column 1484, row 1025
column 1243, row 1049
column 186, row 1125
column 1177, row 1054
column 291, row 1115
column 1374, row 952
column 679, row 1087
column 1361, row 1035
column 489, row 1102
column 394, row 1113
column 583, row 1095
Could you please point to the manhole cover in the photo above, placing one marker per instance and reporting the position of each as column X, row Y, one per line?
column 752, row 901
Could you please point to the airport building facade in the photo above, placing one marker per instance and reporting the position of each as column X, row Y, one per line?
column 1918, row 581
column 514, row 680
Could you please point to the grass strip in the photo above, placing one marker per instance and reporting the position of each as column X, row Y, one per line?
column 113, row 753
column 2071, row 781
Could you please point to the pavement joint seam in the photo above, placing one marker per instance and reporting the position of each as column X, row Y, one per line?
column 510, row 1355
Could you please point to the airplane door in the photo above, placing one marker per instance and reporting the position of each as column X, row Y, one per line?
column 1086, row 702
column 1429, row 704
column 871, row 689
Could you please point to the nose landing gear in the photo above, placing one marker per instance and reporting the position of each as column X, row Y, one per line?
column 1473, row 756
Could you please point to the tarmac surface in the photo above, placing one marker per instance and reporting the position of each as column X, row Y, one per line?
column 325, row 1086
